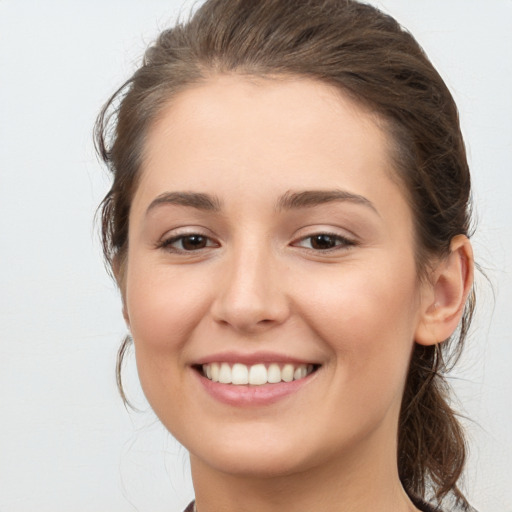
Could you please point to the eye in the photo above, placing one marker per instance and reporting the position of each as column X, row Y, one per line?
column 188, row 243
column 324, row 242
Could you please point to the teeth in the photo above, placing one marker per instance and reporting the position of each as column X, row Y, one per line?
column 287, row 373
column 258, row 375
column 299, row 373
column 255, row 375
column 239, row 374
column 214, row 371
column 225, row 374
column 274, row 374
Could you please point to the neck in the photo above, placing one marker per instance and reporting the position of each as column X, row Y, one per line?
column 356, row 482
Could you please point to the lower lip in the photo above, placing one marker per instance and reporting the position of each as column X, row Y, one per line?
column 251, row 396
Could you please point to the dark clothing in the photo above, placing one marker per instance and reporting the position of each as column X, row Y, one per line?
column 423, row 506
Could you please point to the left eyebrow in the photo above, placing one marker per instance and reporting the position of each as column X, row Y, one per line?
column 310, row 198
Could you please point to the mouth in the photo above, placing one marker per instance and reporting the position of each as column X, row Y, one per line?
column 239, row 374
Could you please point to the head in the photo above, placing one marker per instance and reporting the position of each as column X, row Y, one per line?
column 380, row 69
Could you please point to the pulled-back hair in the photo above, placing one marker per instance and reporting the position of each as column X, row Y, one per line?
column 373, row 60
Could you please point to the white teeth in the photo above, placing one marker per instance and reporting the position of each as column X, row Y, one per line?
column 214, row 371
column 299, row 373
column 287, row 372
column 225, row 374
column 239, row 374
column 274, row 373
column 256, row 375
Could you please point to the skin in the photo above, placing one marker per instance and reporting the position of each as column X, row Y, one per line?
column 260, row 284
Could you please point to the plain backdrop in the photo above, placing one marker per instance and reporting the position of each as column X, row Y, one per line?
column 66, row 441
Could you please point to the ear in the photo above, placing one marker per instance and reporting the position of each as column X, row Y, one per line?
column 444, row 296
column 119, row 270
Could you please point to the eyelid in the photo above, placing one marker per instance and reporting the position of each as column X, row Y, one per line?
column 169, row 241
column 173, row 236
column 345, row 241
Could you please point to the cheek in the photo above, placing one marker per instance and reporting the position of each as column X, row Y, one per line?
column 164, row 308
column 163, row 304
column 367, row 316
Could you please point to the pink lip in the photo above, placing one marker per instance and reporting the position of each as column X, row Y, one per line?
column 250, row 359
column 251, row 396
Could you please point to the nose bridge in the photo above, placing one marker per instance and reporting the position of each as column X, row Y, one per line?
column 251, row 294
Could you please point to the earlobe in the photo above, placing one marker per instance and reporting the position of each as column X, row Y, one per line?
column 444, row 301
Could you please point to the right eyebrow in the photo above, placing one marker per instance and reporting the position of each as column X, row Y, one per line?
column 197, row 200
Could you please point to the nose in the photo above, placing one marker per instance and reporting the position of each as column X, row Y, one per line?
column 251, row 295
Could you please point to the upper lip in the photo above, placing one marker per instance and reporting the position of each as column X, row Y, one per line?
column 253, row 358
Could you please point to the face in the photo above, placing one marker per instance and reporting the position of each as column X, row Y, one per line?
column 270, row 285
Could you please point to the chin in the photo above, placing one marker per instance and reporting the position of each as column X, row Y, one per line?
column 263, row 459
column 256, row 466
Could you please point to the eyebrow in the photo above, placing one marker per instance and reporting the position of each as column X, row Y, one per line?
column 288, row 201
column 196, row 200
column 310, row 198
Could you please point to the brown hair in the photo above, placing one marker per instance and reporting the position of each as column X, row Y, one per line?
column 370, row 57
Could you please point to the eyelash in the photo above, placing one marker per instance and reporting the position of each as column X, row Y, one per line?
column 340, row 242
column 167, row 244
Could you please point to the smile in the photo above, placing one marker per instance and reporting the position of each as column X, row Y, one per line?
column 260, row 374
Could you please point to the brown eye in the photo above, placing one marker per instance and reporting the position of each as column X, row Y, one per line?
column 188, row 243
column 193, row 242
column 323, row 242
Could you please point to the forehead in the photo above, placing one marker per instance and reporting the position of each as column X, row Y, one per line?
column 244, row 131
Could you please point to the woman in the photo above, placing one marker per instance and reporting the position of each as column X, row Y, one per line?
column 288, row 225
